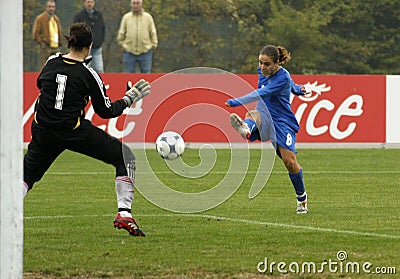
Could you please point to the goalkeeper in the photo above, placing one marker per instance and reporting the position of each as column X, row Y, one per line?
column 273, row 96
column 66, row 83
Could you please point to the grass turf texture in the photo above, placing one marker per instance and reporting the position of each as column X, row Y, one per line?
column 353, row 202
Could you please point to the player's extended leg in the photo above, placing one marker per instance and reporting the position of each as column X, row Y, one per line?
column 253, row 121
column 124, row 187
column 99, row 145
column 42, row 151
column 296, row 176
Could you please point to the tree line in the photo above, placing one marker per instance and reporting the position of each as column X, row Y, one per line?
column 323, row 36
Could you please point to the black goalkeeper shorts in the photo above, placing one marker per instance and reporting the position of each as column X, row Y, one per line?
column 47, row 144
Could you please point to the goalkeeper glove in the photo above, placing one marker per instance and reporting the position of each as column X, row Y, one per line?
column 136, row 92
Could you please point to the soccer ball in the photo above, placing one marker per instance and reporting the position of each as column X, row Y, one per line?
column 170, row 145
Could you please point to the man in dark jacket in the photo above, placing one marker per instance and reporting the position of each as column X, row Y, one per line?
column 94, row 19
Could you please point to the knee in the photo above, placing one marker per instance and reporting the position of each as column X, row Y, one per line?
column 252, row 114
column 255, row 115
column 127, row 154
column 292, row 165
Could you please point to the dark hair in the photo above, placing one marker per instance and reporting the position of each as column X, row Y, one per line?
column 278, row 54
column 80, row 36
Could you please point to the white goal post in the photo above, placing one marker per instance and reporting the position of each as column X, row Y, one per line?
column 11, row 142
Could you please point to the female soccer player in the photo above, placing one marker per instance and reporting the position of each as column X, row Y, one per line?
column 66, row 83
column 273, row 96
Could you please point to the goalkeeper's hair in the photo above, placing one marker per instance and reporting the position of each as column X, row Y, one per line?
column 278, row 54
column 80, row 36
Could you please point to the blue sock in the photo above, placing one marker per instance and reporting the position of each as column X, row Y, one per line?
column 251, row 123
column 298, row 183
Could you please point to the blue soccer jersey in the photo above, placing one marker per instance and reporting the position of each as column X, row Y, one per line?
column 273, row 103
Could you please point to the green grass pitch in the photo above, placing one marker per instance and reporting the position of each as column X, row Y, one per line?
column 354, row 207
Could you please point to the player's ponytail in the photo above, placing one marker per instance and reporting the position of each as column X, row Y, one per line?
column 284, row 55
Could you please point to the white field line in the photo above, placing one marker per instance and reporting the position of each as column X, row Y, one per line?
column 233, row 172
column 237, row 220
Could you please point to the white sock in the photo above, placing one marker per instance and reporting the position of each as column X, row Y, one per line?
column 125, row 214
column 25, row 188
column 125, row 192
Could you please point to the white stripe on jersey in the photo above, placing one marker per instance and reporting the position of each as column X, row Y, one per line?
column 53, row 56
column 96, row 76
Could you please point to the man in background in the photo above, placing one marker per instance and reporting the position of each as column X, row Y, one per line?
column 138, row 37
column 94, row 18
column 47, row 32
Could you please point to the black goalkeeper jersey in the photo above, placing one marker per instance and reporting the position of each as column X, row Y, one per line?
column 65, row 87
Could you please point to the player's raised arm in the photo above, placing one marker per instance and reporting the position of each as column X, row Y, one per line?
column 106, row 109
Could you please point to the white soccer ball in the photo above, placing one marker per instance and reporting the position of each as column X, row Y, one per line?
column 170, row 145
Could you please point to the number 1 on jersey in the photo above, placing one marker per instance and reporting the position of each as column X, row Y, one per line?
column 62, row 82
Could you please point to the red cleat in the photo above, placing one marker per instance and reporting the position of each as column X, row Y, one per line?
column 239, row 125
column 129, row 224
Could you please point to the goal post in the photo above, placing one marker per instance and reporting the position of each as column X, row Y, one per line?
column 11, row 142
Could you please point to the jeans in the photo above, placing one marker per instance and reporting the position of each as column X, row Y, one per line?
column 144, row 61
column 97, row 61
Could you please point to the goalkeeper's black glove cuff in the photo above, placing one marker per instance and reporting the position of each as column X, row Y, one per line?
column 128, row 101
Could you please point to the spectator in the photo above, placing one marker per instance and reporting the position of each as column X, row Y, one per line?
column 94, row 18
column 138, row 37
column 47, row 32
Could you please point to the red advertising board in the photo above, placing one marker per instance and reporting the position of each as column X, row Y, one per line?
column 341, row 108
